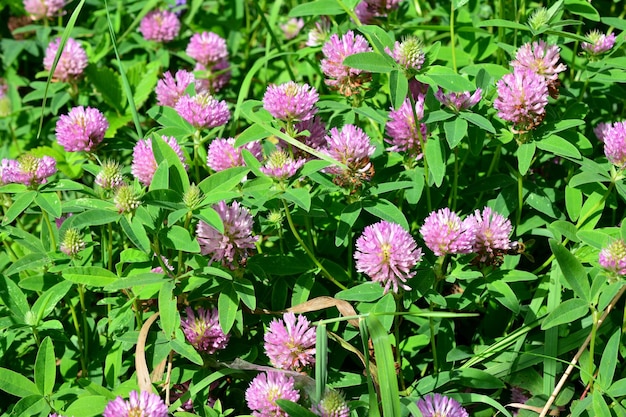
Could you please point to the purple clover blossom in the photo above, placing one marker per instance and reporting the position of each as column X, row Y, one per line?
column 280, row 165
column 292, row 27
column 291, row 101
column 522, row 98
column 613, row 257
column 27, row 169
column 352, row 147
column 365, row 13
column 39, row 9
column 386, row 253
column 222, row 153
column 214, row 77
column 82, row 129
column 72, row 62
column 290, row 342
column 459, row 101
column 170, row 89
column 615, row 144
column 160, row 26
column 332, row 405
column 265, row 389
column 343, row 78
column 202, row 329
column 491, row 231
column 444, row 232
column 367, row 10
column 207, row 48
column 319, row 34
column 231, row 247
column 540, row 58
column 409, row 53
column 144, row 164
column 438, row 405
column 145, row 404
column 601, row 129
column 403, row 131
column 203, row 111
column 599, row 43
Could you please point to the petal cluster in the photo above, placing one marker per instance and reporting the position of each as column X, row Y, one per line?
column 290, row 342
column 203, row 111
column 169, row 89
column 522, row 98
column 280, row 165
column 540, row 58
column 615, row 144
column 144, row 404
column 405, row 134
column 444, row 232
column 345, row 79
column 265, row 389
column 437, row 405
column 459, row 101
column 207, row 48
column 202, row 329
column 39, row 9
column 291, row 101
column 72, row 62
column 160, row 26
column 82, row 129
column 351, row 146
column 27, row 169
column 144, row 163
column 613, row 257
column 491, row 232
column 599, row 43
column 222, row 153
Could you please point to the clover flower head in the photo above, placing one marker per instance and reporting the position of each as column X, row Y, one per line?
column 599, row 43
column 27, row 169
column 110, row 176
column 231, row 247
column 292, row 27
column 207, row 48
column 39, row 9
column 222, row 153
column 332, row 404
column 540, row 58
column 202, row 329
column 438, row 405
column 160, row 26
column 203, row 111
column 280, row 165
column 144, row 404
column 404, row 135
column 491, row 231
column 601, row 129
column 353, row 148
column 613, row 257
column 409, row 53
column 72, row 62
column 265, row 389
column 615, row 144
column 72, row 242
column 319, row 34
column 291, row 101
column 82, row 129
column 144, row 163
column 522, row 98
column 387, row 253
column 459, row 101
column 170, row 89
column 215, row 76
column 290, row 342
column 444, row 232
column 368, row 10
column 341, row 77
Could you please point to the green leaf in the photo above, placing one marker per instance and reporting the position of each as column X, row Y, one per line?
column 573, row 202
column 600, row 407
column 572, row 269
column 566, row 312
column 224, row 180
column 446, row 78
column 608, row 361
column 211, row 217
column 30, row 406
column 594, row 238
column 586, row 10
column 559, row 146
column 170, row 119
column 385, row 210
column 379, row 37
column 252, row 133
column 178, row 238
column 435, row 157
column 16, row 384
column 227, row 304
column 525, row 154
column 294, row 410
column 13, row 298
column 45, row 367
column 455, row 131
column 45, row 304
column 388, row 381
column 32, row 261
column 349, row 215
column 478, row 120
column 49, row 202
column 367, row 292
column 135, row 281
column 317, row 8
column 477, row 379
column 87, row 406
column 245, row 292
column 108, row 84
column 501, row 291
column 170, row 320
column 186, row 351
column 95, row 217
column 147, row 82
column 398, row 88
column 504, row 24
column 371, row 62
column 177, row 174
column 136, row 234
column 94, row 276
column 299, row 196
column 20, row 204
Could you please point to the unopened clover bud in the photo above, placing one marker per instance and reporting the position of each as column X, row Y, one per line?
column 110, row 177
column 126, row 199
column 72, row 242
column 539, row 18
column 193, row 197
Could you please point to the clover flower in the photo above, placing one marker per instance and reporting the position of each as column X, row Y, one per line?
column 353, row 148
column 491, row 232
column 110, row 176
column 145, row 404
column 599, row 43
column 522, row 98
column 387, row 253
column 615, row 144
column 202, row 329
column 601, row 129
column 144, row 163
column 72, row 242
column 27, row 169
column 215, row 76
column 405, row 135
column 72, row 62
column 170, row 89
column 367, row 10
column 444, row 232
column 82, row 129
column 160, row 26
column 39, row 9
column 203, row 111
column 314, row 139
column 332, row 405
column 613, row 257
column 207, row 48
column 438, row 405
column 231, row 247
column 409, row 53
column 291, row 101
column 280, row 165
column 126, row 199
column 542, row 59
column 222, row 153
column 265, row 389
column 292, row 27
column 290, row 342
column 459, row 101
column 319, row 34
column 341, row 77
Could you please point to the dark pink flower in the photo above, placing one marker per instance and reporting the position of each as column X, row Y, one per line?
column 160, row 26
column 290, row 342
column 444, row 232
column 202, row 329
column 222, row 153
column 82, row 129
column 459, row 101
column 403, row 130
column 522, row 98
column 27, row 169
column 615, row 144
column 145, row 404
column 144, row 164
column 491, row 232
column 613, row 257
column 169, row 89
column 39, row 9
column 203, row 111
column 291, row 101
column 207, row 48
column 341, row 77
column 599, row 43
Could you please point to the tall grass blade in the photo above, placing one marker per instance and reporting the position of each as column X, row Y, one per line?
column 387, row 380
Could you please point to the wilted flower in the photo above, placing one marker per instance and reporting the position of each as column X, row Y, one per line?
column 159, row 26
column 82, row 129
column 280, row 165
column 72, row 62
column 522, row 98
column 290, row 342
column 343, row 78
column 409, row 53
column 265, row 389
column 491, row 232
column 144, row 163
column 169, row 89
column 291, row 101
column 292, row 27
column 332, row 405
column 110, row 176
column 444, row 232
column 615, row 144
column 353, row 148
column 207, row 48
column 231, row 247
column 403, row 129
column 387, row 253
column 319, row 34
column 38, row 9
column 203, row 330
column 459, row 101
column 438, row 405
column 145, row 404
column 222, row 153
column 72, row 242
column 613, row 257
column 203, row 111
column 599, row 43
column 27, row 169
column 126, row 199
column 542, row 59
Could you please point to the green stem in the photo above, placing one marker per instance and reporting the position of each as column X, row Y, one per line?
column 592, row 344
column 81, row 297
column 83, row 364
column 46, row 219
column 455, row 181
column 308, row 251
column 110, row 247
column 433, row 343
column 397, row 321
column 520, row 200
column 452, row 37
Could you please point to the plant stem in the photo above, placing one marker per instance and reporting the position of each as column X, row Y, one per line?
column 46, row 219
column 452, row 37
column 83, row 364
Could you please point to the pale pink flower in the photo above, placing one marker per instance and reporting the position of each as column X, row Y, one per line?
column 72, row 62
column 290, row 342
column 160, row 26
